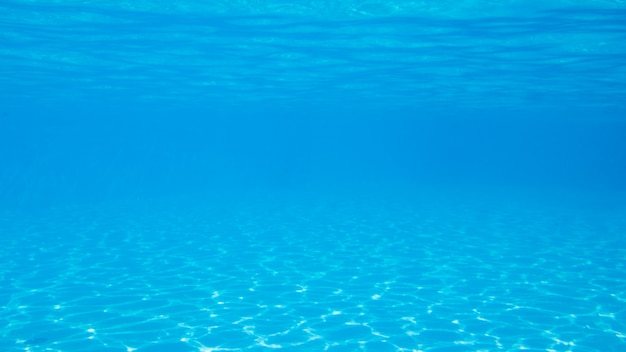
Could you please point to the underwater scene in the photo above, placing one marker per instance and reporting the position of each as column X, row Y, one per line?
column 313, row 175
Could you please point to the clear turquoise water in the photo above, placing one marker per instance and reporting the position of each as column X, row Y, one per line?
column 312, row 176
column 417, row 273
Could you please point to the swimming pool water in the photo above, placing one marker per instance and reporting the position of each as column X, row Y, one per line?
column 315, row 273
column 256, row 175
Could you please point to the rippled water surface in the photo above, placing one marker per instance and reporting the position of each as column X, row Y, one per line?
column 471, row 54
column 424, row 176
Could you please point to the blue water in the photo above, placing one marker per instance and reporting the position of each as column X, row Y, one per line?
column 313, row 176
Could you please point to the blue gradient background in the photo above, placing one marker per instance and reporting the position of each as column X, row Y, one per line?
column 313, row 119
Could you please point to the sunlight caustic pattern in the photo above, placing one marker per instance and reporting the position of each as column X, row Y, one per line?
column 334, row 277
